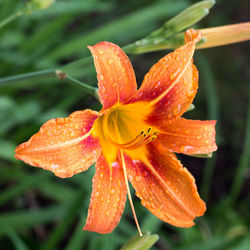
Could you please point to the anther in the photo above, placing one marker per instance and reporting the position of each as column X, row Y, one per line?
column 139, row 141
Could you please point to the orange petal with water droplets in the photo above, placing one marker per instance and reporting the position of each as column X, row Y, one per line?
column 189, row 136
column 165, row 187
column 170, row 85
column 177, row 101
column 64, row 146
column 107, row 199
column 116, row 78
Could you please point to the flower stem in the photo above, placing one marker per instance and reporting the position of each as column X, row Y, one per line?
column 28, row 76
column 10, row 19
column 129, row 194
column 87, row 88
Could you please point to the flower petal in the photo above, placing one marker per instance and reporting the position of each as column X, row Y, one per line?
column 170, row 85
column 165, row 187
column 107, row 199
column 189, row 136
column 64, row 146
column 116, row 78
column 177, row 101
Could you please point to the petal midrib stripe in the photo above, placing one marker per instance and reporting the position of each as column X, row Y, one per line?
column 171, row 192
column 59, row 145
column 154, row 101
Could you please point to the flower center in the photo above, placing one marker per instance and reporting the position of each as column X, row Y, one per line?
column 123, row 127
column 140, row 140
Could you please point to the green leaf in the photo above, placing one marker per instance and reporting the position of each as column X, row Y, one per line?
column 141, row 242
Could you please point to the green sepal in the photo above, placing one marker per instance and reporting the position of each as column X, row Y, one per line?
column 209, row 155
column 191, row 107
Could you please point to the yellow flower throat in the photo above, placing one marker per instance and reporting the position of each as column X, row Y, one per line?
column 123, row 127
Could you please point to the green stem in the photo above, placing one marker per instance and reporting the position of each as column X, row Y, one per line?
column 28, row 76
column 10, row 19
column 87, row 88
column 43, row 73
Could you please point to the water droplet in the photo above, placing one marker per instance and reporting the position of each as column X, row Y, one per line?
column 97, row 194
column 107, row 212
column 185, row 149
column 190, row 93
column 130, row 177
column 135, row 161
column 170, row 115
column 100, row 52
column 101, row 77
column 123, row 69
column 177, row 110
column 115, row 164
column 172, row 76
column 101, row 175
column 138, row 178
column 112, row 191
column 110, row 61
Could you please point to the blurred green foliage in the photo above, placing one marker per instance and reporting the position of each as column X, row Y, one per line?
column 41, row 211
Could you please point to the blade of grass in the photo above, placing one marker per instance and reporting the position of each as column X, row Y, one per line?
column 151, row 223
column 213, row 113
column 25, row 219
column 73, row 7
column 77, row 240
column 136, row 24
column 16, row 240
column 60, row 230
column 243, row 162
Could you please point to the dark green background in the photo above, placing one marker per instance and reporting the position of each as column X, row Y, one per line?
column 39, row 210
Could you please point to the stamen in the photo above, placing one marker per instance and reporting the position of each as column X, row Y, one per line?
column 140, row 140
column 129, row 194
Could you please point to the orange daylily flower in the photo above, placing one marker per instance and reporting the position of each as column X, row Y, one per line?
column 135, row 135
